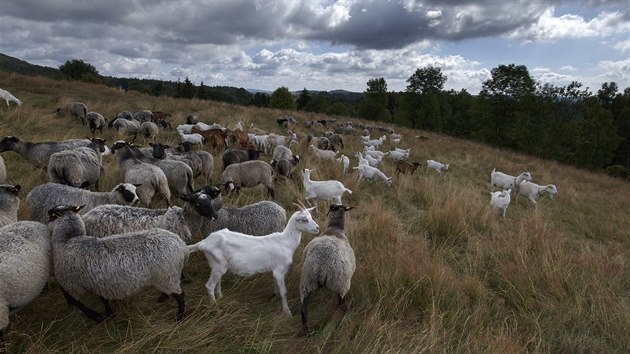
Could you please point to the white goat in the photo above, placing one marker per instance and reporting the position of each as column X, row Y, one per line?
column 505, row 181
column 398, row 154
column 370, row 172
column 195, row 138
column 375, row 142
column 8, row 97
column 374, row 153
column 322, row 190
column 437, row 166
column 323, row 154
column 532, row 191
column 345, row 161
column 245, row 255
column 501, row 200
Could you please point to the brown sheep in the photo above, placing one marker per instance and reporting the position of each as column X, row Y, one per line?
column 404, row 167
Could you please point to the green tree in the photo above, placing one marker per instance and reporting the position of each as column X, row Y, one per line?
column 375, row 102
column 202, row 91
column 157, row 88
column 77, row 69
column 303, row 99
column 597, row 139
column 421, row 105
column 187, row 89
column 261, row 99
column 425, row 80
column 282, row 98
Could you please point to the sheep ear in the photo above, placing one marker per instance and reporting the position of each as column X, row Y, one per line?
column 138, row 184
column 78, row 208
column 15, row 189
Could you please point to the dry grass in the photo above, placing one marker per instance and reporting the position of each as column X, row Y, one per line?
column 437, row 270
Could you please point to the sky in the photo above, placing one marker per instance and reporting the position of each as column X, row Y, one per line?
column 325, row 44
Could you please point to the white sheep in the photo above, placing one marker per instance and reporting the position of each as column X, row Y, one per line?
column 505, row 181
column 245, row 255
column 437, row 166
column 322, row 190
column 370, row 172
column 8, row 97
column 532, row 191
column 501, row 200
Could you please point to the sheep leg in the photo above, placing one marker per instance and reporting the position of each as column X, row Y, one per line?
column 93, row 315
column 279, row 277
column 343, row 303
column 181, row 308
column 108, row 307
column 214, row 283
column 163, row 297
column 304, row 312
column 271, row 192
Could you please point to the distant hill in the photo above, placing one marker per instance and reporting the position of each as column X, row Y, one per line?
column 11, row 64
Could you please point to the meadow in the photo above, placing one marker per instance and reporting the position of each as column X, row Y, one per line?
column 437, row 269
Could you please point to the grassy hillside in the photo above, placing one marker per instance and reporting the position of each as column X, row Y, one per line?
column 437, row 269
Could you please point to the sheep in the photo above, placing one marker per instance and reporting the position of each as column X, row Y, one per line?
column 242, row 254
column 195, row 139
column 370, row 172
column 404, row 167
column 8, row 97
column 345, row 162
column 95, row 121
column 261, row 218
column 328, row 260
column 232, row 156
column 150, row 178
column 281, row 152
column 323, row 154
column 249, row 174
column 322, row 190
column 321, row 142
column 114, row 267
column 178, row 175
column 127, row 128
column 105, row 220
column 143, row 116
column 200, row 162
column 79, row 167
column 285, row 167
column 500, row 200
column 3, row 170
column 76, row 109
column 25, row 265
column 532, row 191
column 148, row 131
column 192, row 119
column 336, row 140
column 48, row 195
column 505, row 181
column 9, row 203
column 437, row 166
column 38, row 154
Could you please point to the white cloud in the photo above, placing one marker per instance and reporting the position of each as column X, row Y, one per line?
column 623, row 46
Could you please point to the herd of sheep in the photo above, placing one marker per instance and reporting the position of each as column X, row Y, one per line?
column 114, row 243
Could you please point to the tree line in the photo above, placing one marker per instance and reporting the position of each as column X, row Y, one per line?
column 568, row 123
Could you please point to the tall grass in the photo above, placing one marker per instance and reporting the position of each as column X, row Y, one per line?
column 437, row 269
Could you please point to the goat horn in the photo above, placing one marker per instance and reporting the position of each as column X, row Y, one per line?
column 299, row 206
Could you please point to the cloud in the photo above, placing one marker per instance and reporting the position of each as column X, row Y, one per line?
column 623, row 46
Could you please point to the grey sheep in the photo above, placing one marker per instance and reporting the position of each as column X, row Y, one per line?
column 200, row 162
column 178, row 174
column 281, row 152
column 335, row 140
column 76, row 109
column 232, row 156
column 249, row 174
column 149, row 131
column 123, row 115
column 95, row 121
column 110, row 219
column 9, row 203
column 3, row 170
column 47, row 196
column 38, row 154
column 25, row 265
column 127, row 128
column 114, row 267
column 143, row 116
column 285, row 166
column 151, row 179
column 192, row 119
column 258, row 219
column 79, row 167
column 328, row 261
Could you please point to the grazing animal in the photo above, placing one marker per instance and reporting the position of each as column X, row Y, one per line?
column 369, row 172
column 38, row 154
column 328, row 261
column 201, row 162
column 261, row 218
column 405, row 167
column 437, row 166
column 9, row 203
column 505, row 181
column 48, row 195
column 76, row 109
column 95, row 121
column 249, row 174
column 25, row 266
column 245, row 255
column 501, row 200
column 114, row 267
column 79, row 167
column 345, row 162
column 322, row 190
column 149, row 131
column 3, row 170
column 532, row 191
column 8, row 97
